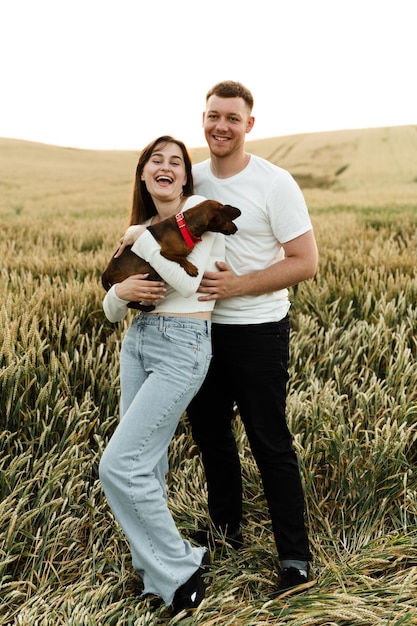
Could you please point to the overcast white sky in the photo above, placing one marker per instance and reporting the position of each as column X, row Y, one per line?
column 115, row 74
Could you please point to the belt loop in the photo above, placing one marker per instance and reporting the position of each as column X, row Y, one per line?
column 161, row 323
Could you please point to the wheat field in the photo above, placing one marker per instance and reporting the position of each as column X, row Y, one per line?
column 352, row 397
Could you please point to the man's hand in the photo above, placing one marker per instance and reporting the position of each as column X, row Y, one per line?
column 219, row 285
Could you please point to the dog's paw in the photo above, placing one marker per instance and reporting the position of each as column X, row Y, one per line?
column 191, row 269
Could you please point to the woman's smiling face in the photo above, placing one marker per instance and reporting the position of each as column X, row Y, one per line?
column 164, row 174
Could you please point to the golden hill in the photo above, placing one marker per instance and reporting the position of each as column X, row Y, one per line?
column 364, row 167
column 372, row 166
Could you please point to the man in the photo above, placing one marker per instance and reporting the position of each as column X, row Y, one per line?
column 273, row 250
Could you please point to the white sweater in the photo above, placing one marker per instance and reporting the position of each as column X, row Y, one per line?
column 181, row 295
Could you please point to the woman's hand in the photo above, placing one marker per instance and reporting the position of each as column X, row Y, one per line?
column 137, row 289
column 130, row 236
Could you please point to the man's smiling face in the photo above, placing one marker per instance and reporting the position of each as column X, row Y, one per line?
column 226, row 122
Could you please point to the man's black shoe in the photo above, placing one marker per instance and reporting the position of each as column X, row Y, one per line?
column 293, row 580
column 208, row 537
column 292, row 577
column 192, row 592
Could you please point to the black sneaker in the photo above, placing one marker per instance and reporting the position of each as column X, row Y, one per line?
column 291, row 579
column 192, row 592
column 208, row 537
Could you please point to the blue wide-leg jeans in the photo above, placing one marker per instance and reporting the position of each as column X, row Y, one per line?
column 163, row 362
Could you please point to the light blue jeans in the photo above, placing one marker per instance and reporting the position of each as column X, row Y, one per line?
column 163, row 363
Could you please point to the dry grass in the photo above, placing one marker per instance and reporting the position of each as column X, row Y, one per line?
column 352, row 408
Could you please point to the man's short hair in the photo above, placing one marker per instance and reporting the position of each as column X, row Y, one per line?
column 231, row 89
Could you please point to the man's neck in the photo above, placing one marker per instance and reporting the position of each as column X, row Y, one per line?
column 225, row 167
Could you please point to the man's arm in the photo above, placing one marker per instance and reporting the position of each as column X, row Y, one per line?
column 300, row 263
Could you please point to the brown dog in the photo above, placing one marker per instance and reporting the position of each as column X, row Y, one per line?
column 176, row 236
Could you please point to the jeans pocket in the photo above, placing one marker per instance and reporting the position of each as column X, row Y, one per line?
column 182, row 336
column 207, row 365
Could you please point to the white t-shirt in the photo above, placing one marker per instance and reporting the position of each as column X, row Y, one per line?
column 273, row 212
column 181, row 295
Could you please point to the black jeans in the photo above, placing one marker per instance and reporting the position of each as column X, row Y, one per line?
column 250, row 367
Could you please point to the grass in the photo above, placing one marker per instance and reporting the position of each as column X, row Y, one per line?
column 352, row 408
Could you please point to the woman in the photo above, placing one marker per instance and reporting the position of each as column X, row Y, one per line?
column 164, row 360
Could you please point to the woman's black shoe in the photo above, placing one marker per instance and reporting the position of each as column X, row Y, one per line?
column 192, row 592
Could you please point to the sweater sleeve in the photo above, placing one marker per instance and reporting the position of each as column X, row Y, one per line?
column 115, row 309
column 149, row 249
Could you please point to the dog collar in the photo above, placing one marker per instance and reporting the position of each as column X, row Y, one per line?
column 187, row 235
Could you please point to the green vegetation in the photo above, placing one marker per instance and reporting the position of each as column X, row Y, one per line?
column 352, row 409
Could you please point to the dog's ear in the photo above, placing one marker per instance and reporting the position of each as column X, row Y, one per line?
column 232, row 211
column 222, row 219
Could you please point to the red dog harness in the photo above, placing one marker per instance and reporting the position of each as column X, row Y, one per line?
column 187, row 235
